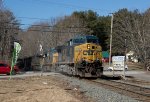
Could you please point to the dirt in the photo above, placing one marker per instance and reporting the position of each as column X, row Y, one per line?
column 39, row 89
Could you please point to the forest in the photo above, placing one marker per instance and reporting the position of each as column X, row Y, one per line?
column 130, row 31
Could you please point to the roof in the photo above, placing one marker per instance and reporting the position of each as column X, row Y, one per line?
column 105, row 54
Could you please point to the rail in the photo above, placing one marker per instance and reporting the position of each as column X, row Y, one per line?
column 140, row 93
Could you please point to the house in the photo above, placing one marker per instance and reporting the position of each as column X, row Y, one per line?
column 131, row 57
column 105, row 55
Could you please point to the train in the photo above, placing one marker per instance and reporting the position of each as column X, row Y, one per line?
column 80, row 56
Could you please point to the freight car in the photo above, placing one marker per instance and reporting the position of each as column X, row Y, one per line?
column 81, row 56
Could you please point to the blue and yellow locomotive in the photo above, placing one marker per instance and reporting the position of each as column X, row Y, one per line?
column 82, row 54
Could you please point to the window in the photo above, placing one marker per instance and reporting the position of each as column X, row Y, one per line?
column 92, row 41
column 3, row 65
column 79, row 41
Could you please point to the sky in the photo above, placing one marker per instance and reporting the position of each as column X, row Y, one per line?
column 31, row 11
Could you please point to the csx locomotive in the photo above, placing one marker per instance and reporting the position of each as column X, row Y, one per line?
column 82, row 55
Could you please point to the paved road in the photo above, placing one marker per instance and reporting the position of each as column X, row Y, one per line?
column 141, row 75
column 137, row 74
column 27, row 74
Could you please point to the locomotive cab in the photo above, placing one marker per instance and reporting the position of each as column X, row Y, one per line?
column 88, row 58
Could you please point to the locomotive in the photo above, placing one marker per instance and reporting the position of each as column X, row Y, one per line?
column 82, row 56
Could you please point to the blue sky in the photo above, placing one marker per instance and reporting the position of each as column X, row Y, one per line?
column 46, row 9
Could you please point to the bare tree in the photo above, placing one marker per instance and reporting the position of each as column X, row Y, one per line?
column 134, row 27
column 50, row 34
column 69, row 27
column 8, row 33
column 36, row 35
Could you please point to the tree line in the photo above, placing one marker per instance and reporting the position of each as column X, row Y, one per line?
column 8, row 34
column 130, row 31
column 134, row 27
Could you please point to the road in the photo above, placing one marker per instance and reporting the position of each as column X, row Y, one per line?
column 137, row 74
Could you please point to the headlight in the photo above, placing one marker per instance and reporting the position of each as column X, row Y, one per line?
column 88, row 46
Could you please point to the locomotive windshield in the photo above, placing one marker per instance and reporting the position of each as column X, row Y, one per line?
column 85, row 39
column 92, row 41
column 79, row 40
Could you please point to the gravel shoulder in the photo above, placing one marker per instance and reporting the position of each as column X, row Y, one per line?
column 97, row 93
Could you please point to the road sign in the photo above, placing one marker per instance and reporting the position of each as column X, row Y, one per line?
column 118, row 62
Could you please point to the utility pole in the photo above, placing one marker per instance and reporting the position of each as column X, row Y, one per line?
column 125, row 60
column 112, row 17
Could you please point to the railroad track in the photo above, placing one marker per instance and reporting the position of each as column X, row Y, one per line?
column 137, row 92
column 129, row 88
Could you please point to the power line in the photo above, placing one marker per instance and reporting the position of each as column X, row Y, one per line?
column 52, row 31
column 38, row 25
column 69, row 5
column 47, row 26
column 57, row 3
column 33, row 18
